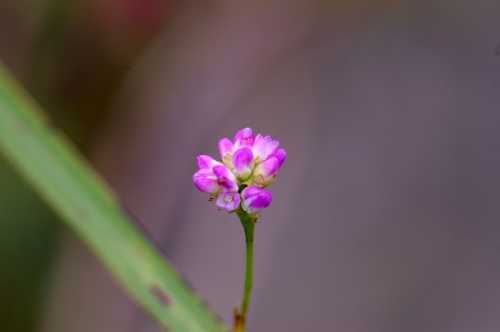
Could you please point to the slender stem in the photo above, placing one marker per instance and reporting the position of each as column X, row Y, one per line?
column 245, row 301
column 248, row 223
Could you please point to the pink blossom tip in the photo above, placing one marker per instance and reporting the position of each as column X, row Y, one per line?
column 249, row 161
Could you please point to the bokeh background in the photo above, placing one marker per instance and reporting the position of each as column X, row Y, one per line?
column 385, row 215
column 72, row 56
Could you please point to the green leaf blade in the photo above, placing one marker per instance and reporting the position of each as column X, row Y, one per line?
column 66, row 182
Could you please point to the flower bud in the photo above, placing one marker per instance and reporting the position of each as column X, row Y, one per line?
column 228, row 201
column 244, row 137
column 243, row 162
column 205, row 161
column 225, row 147
column 255, row 199
column 225, row 178
column 264, row 146
column 266, row 171
column 281, row 155
column 206, row 181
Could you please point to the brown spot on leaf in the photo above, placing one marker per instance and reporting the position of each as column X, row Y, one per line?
column 160, row 295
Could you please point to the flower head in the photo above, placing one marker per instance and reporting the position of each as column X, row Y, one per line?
column 249, row 163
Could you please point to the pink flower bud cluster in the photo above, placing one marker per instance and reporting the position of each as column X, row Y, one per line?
column 249, row 164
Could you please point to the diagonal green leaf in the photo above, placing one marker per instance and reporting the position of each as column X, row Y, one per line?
column 54, row 168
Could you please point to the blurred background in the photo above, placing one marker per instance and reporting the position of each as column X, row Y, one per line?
column 385, row 216
column 72, row 56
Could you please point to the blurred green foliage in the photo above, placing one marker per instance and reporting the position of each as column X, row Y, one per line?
column 68, row 183
column 27, row 242
column 72, row 55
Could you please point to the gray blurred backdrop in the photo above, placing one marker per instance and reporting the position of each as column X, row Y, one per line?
column 385, row 215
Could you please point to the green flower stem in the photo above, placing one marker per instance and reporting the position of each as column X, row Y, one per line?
column 248, row 223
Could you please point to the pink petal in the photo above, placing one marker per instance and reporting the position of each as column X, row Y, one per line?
column 268, row 167
column 256, row 199
column 228, row 201
column 205, row 181
column 264, row 146
column 242, row 161
column 205, row 161
column 244, row 137
column 281, row 155
column 225, row 146
column 225, row 178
